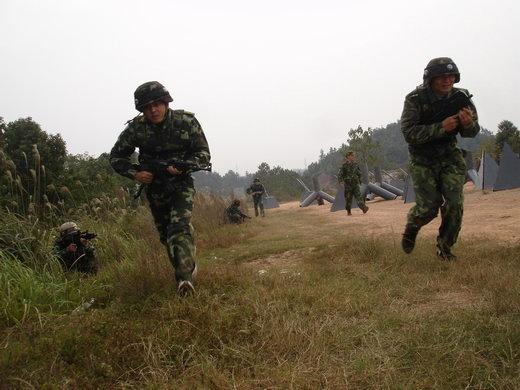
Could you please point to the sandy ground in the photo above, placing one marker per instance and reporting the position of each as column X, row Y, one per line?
column 489, row 215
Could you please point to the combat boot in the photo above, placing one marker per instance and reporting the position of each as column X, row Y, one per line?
column 349, row 212
column 185, row 288
column 365, row 209
column 409, row 236
column 445, row 253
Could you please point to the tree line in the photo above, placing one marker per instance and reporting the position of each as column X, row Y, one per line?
column 38, row 173
column 385, row 147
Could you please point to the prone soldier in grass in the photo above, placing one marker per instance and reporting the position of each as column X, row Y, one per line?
column 350, row 175
column 434, row 113
column 163, row 134
column 74, row 249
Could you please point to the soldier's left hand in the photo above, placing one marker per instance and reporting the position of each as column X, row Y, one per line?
column 173, row 171
column 466, row 117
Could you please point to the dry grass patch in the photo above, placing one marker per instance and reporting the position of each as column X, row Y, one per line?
column 286, row 262
column 448, row 301
column 360, row 315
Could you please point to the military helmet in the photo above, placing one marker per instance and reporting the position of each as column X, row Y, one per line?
column 440, row 66
column 150, row 92
column 68, row 227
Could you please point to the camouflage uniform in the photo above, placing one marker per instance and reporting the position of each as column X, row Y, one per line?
column 81, row 260
column 234, row 214
column 350, row 175
column 180, row 137
column 257, row 190
column 436, row 163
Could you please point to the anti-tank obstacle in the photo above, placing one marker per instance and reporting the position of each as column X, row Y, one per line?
column 317, row 195
column 270, row 201
column 367, row 189
column 508, row 175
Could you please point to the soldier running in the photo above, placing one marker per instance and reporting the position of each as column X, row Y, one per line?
column 350, row 175
column 436, row 163
column 161, row 133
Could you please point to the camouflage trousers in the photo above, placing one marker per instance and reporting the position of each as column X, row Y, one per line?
column 439, row 185
column 352, row 191
column 258, row 203
column 171, row 211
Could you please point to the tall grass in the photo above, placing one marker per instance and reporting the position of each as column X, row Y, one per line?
column 134, row 271
column 28, row 294
column 358, row 315
column 133, row 263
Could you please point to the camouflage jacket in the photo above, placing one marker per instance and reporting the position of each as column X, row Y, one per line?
column 256, row 190
column 179, row 137
column 349, row 173
column 67, row 258
column 234, row 210
column 430, row 142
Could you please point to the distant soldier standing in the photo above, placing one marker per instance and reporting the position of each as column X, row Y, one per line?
column 257, row 191
column 163, row 134
column 350, row 175
column 436, row 163
column 74, row 250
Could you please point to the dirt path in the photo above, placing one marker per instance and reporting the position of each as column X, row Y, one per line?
column 490, row 215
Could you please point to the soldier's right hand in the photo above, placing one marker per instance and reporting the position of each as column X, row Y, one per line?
column 144, row 177
column 465, row 117
column 72, row 248
column 450, row 123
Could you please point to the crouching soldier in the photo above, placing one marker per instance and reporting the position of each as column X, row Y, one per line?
column 74, row 250
column 234, row 214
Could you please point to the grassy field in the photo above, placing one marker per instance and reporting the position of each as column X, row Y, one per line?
column 278, row 305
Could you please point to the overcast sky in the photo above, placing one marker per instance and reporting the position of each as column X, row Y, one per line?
column 272, row 81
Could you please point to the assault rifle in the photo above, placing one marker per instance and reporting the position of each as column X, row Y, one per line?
column 238, row 214
column 159, row 170
column 451, row 106
column 249, row 191
column 75, row 237
column 244, row 216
